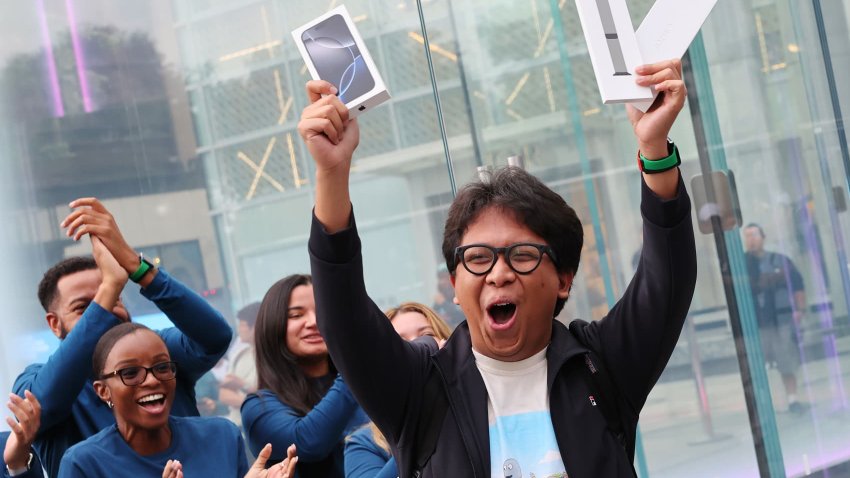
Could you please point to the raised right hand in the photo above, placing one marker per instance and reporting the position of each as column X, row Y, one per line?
column 28, row 413
column 91, row 217
column 330, row 136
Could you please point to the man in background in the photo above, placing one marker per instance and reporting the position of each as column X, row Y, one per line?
column 780, row 303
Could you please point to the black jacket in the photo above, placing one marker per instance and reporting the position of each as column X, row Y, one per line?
column 387, row 374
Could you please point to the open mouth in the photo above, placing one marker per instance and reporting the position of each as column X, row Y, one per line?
column 502, row 314
column 153, row 403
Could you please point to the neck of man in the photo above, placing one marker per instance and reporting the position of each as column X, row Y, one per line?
column 146, row 441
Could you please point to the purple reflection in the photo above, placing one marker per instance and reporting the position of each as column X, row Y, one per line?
column 79, row 58
column 52, row 77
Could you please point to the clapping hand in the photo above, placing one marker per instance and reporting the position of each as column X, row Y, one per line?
column 173, row 469
column 284, row 469
column 28, row 413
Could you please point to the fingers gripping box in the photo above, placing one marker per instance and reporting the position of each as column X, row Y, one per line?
column 334, row 51
column 668, row 30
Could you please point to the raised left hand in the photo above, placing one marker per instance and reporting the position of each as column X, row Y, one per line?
column 653, row 127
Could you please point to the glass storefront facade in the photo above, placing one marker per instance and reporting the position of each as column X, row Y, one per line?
column 182, row 117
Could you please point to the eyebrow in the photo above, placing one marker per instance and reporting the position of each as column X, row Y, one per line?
column 297, row 307
column 132, row 361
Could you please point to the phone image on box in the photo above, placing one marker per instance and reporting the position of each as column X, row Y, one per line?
column 337, row 58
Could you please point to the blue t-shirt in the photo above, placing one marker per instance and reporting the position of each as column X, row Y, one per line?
column 319, row 435
column 207, row 447
column 365, row 459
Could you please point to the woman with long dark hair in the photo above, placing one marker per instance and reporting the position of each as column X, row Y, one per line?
column 300, row 399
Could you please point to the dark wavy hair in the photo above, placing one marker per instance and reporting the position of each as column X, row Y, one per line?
column 277, row 368
column 48, row 287
column 533, row 204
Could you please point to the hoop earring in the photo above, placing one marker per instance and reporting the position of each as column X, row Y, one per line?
column 109, row 404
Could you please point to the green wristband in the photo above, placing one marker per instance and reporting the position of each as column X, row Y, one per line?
column 144, row 267
column 650, row 166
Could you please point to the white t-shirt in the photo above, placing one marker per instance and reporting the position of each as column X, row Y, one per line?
column 522, row 440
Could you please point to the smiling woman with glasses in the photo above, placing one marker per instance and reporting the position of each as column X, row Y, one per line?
column 135, row 377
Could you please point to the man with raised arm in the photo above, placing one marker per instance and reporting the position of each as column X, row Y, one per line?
column 521, row 392
column 81, row 298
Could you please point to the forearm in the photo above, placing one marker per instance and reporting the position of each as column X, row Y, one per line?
column 333, row 202
column 59, row 381
column 639, row 334
column 107, row 295
column 362, row 342
column 315, row 435
column 207, row 332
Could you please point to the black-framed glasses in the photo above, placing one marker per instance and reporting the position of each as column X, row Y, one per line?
column 522, row 258
column 136, row 374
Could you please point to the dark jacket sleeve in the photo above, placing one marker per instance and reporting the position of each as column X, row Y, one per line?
column 58, row 382
column 266, row 419
column 201, row 336
column 381, row 369
column 364, row 459
column 637, row 337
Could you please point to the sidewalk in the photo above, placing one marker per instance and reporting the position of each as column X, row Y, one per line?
column 678, row 443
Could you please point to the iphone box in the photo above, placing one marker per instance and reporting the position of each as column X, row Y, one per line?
column 668, row 30
column 334, row 51
column 613, row 49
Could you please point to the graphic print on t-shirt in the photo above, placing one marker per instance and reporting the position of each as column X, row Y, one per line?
column 524, row 446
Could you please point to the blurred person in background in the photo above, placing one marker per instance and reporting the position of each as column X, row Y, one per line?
column 779, row 297
column 301, row 399
column 241, row 378
column 367, row 453
column 445, row 302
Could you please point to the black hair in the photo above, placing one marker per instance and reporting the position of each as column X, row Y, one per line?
column 533, row 204
column 248, row 314
column 107, row 342
column 48, row 287
column 277, row 368
column 752, row 224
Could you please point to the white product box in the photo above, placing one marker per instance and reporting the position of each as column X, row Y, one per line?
column 613, row 49
column 668, row 30
column 334, row 51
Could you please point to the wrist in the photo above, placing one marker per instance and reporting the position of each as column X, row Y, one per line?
column 18, row 464
column 129, row 260
column 107, row 294
column 652, row 150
